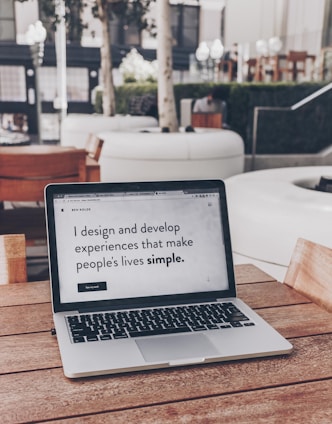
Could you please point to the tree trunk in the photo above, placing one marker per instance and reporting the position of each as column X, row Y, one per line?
column 106, row 61
column 166, row 101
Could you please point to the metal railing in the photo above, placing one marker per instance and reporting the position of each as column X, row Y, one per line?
column 296, row 106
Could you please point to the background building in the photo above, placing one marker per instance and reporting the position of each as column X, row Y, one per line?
column 300, row 24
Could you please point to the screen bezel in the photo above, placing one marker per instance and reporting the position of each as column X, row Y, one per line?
column 81, row 188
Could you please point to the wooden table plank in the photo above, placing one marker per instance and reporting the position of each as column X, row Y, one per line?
column 26, row 319
column 46, row 394
column 310, row 400
column 26, row 352
column 269, row 294
column 24, row 293
column 248, row 273
column 298, row 320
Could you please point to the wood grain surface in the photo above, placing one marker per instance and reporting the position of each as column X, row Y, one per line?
column 310, row 271
column 293, row 388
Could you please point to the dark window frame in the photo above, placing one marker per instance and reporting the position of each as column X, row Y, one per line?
column 120, row 27
column 178, row 29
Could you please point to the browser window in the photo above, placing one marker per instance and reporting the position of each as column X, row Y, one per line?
column 122, row 245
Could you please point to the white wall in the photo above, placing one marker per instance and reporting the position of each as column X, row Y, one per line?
column 210, row 19
column 304, row 25
column 298, row 23
column 250, row 20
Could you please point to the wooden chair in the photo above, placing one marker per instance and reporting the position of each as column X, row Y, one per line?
column 13, row 266
column 24, row 173
column 295, row 64
column 206, row 120
column 309, row 272
column 93, row 146
column 226, row 68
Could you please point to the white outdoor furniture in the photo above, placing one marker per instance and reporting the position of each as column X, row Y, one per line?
column 134, row 149
column 270, row 209
column 142, row 156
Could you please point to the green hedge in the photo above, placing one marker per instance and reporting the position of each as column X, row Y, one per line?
column 307, row 130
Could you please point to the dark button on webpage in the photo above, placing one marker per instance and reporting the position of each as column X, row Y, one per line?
column 90, row 287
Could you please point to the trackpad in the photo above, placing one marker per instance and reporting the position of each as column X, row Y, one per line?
column 173, row 348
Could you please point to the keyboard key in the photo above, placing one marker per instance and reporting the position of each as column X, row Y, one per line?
column 236, row 324
column 198, row 328
column 120, row 335
column 106, row 337
column 212, row 326
column 78, row 339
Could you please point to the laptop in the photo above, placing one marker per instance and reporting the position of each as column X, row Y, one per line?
column 142, row 278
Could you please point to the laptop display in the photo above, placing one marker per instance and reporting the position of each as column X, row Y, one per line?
column 138, row 243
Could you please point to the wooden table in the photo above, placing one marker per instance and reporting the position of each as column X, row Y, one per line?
column 286, row 389
column 92, row 166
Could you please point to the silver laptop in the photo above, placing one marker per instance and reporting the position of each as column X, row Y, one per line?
column 142, row 278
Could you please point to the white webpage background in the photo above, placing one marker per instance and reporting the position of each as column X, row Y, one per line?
column 185, row 232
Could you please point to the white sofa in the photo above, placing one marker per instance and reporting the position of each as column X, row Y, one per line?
column 270, row 209
column 205, row 153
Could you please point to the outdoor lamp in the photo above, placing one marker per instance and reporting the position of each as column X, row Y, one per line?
column 210, row 57
column 216, row 50
column 202, row 52
column 262, row 47
column 275, row 45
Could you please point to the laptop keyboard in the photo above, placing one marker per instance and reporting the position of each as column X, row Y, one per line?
column 155, row 321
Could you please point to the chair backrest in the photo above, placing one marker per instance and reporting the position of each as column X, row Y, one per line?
column 93, row 146
column 206, row 120
column 297, row 55
column 25, row 171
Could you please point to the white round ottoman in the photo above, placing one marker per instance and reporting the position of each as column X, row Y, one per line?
column 270, row 209
column 146, row 156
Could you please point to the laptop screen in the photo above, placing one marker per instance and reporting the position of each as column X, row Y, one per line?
column 137, row 243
